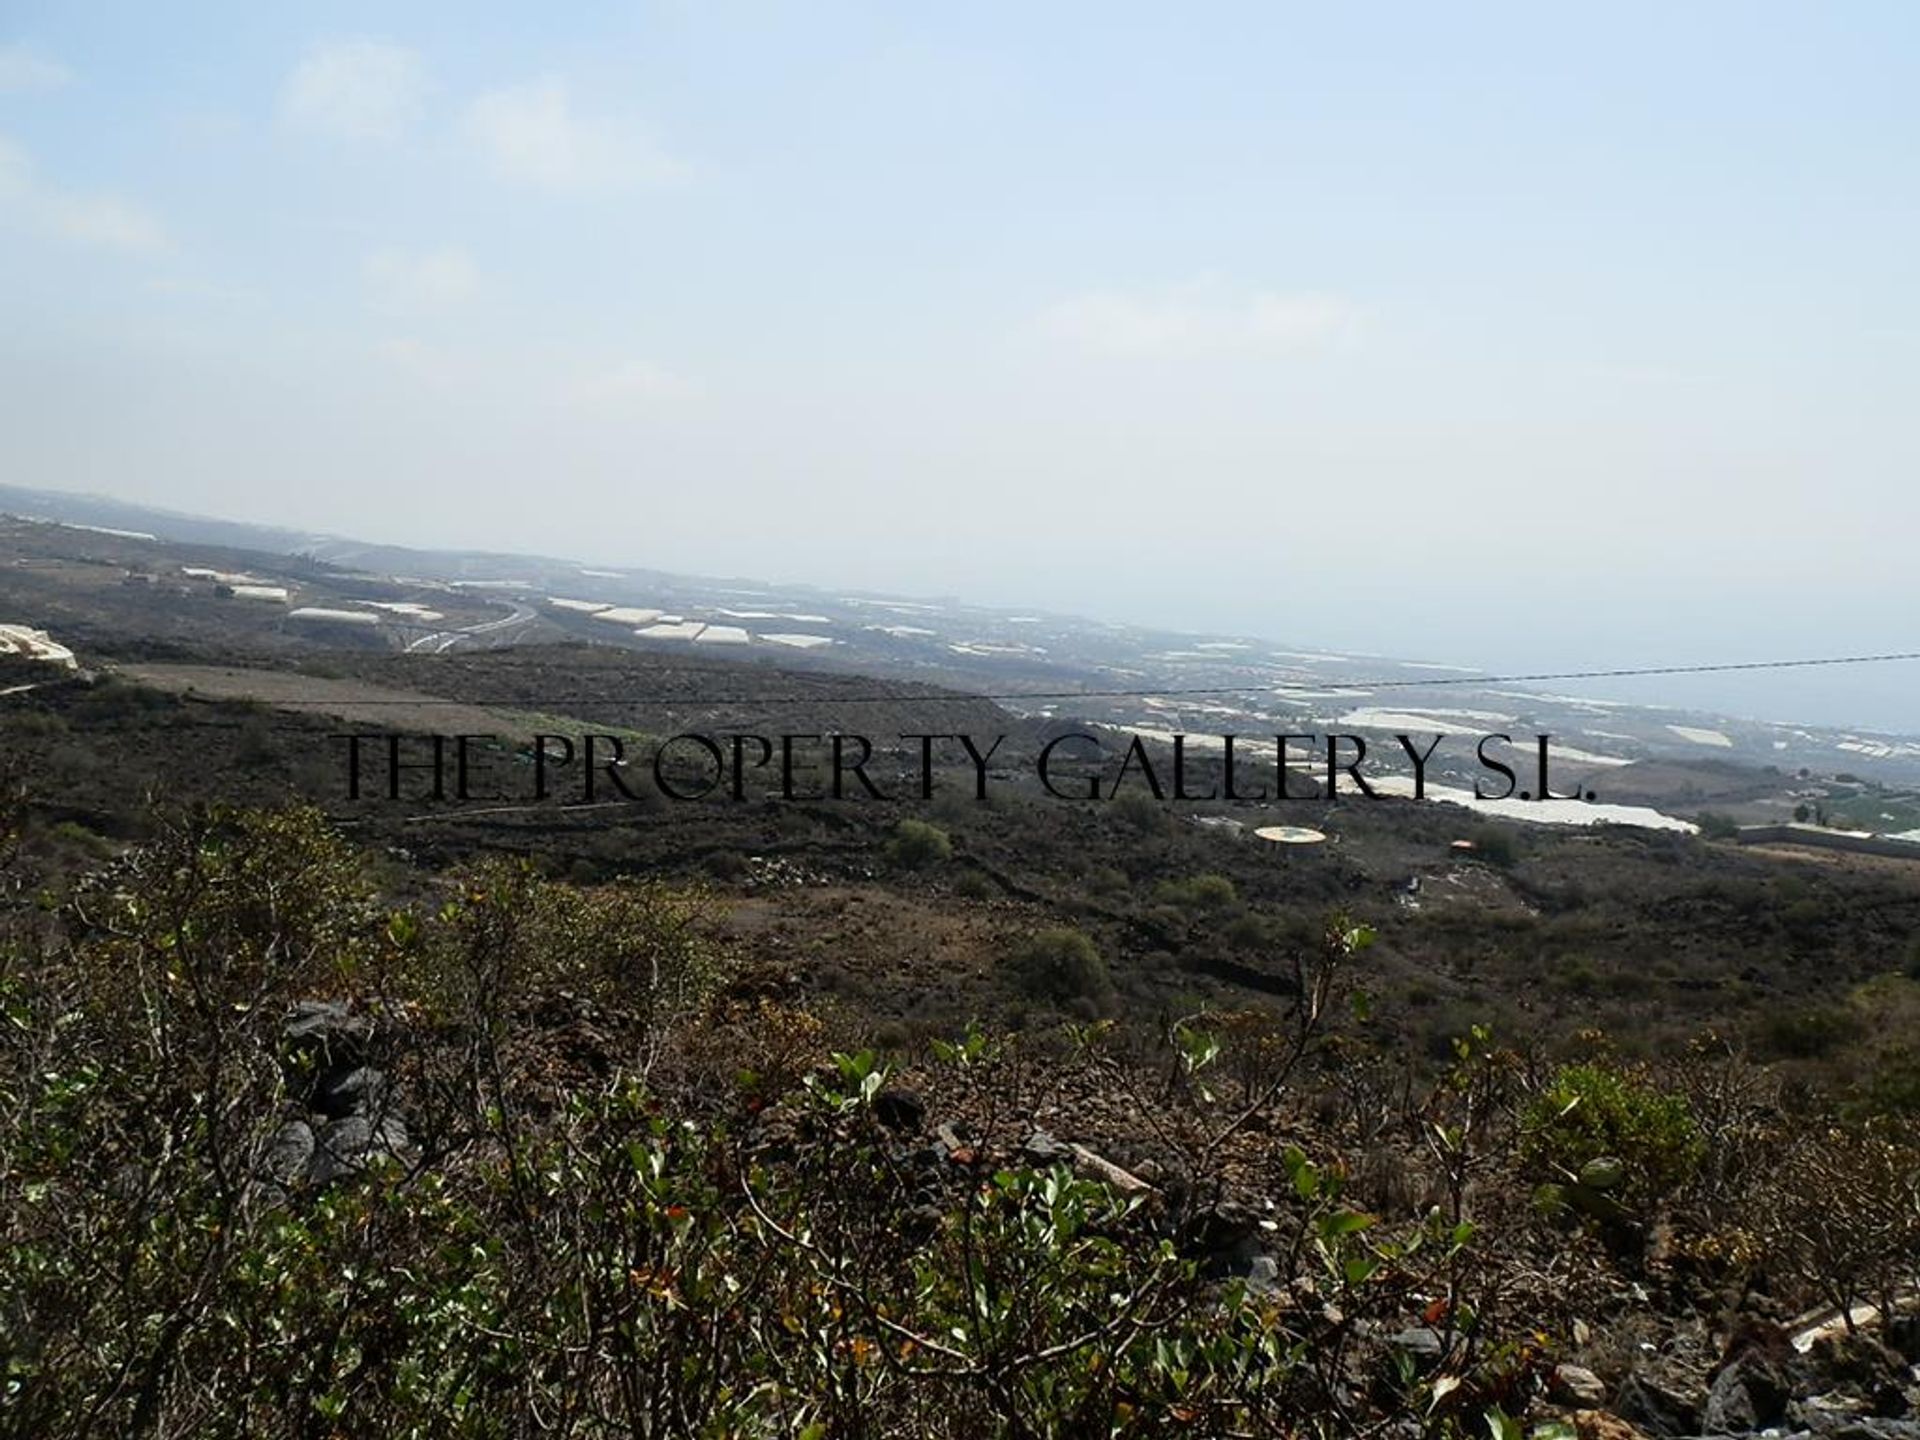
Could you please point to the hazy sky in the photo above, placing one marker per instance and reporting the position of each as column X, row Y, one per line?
column 1501, row 334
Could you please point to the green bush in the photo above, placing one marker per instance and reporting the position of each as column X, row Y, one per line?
column 1061, row 966
column 1715, row 826
column 1199, row 892
column 916, row 844
column 1809, row 1034
column 1139, row 812
column 975, row 885
column 1495, row 845
column 89, row 843
column 1248, row 932
column 1599, row 1112
column 1895, row 1086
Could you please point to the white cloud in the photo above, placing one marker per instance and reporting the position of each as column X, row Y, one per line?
column 354, row 89
column 549, row 379
column 23, row 69
column 629, row 383
column 445, row 276
column 530, row 133
column 1198, row 318
column 100, row 220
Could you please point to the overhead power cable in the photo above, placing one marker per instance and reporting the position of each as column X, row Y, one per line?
column 1268, row 686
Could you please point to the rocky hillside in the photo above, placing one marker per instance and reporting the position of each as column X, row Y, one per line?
column 286, row 1153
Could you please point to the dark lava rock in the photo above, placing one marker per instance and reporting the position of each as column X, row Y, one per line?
column 901, row 1109
column 1834, row 1425
column 1859, row 1361
column 338, row 1035
column 1041, row 1149
column 1424, row 1343
column 358, row 1090
column 1902, row 1333
column 1224, row 1238
column 289, row 1153
column 355, row 1142
column 1748, row 1394
column 1657, row 1407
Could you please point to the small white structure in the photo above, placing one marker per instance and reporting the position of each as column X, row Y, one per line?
column 677, row 630
column 1699, row 736
column 626, row 615
column 321, row 615
column 798, row 642
column 722, row 635
column 406, row 609
column 1290, row 835
column 34, row 644
column 585, row 607
column 106, row 530
column 276, row 593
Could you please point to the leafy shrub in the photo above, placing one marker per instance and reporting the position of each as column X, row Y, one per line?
column 1248, row 932
column 88, row 842
column 1598, row 1112
column 1198, row 892
column 1716, row 826
column 1060, row 966
column 597, row 1232
column 916, row 844
column 1496, row 845
column 975, row 885
column 1895, row 1085
column 1809, row 1034
column 1139, row 812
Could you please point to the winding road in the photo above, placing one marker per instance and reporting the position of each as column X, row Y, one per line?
column 484, row 635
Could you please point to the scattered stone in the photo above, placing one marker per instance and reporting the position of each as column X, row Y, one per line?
column 359, row 1090
column 1263, row 1275
column 289, row 1153
column 326, row 1026
column 1423, row 1342
column 1834, row 1425
column 351, row 1144
column 1040, row 1150
column 1857, row 1360
column 1224, row 1238
column 1902, row 1333
column 1600, row 1425
column 1748, row 1394
column 900, row 1109
column 1658, row 1408
column 1578, row 1387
